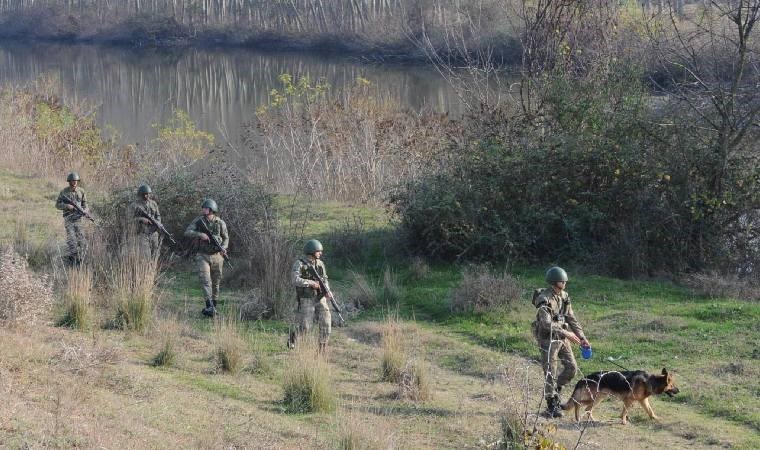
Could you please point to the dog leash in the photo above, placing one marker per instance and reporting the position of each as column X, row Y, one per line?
column 612, row 360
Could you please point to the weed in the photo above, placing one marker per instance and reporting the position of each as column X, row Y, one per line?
column 391, row 288
column 24, row 296
column 307, row 386
column 133, row 288
column 230, row 348
column 393, row 356
column 361, row 293
column 418, row 268
column 715, row 285
column 169, row 332
column 414, row 383
column 482, row 291
column 78, row 312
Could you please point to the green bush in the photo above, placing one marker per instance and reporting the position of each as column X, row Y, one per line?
column 595, row 180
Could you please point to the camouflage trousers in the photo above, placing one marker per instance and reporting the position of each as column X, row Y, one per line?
column 75, row 242
column 148, row 244
column 210, row 274
column 552, row 352
column 307, row 309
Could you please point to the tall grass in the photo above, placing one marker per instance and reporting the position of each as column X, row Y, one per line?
column 134, row 292
column 77, row 299
column 307, row 383
column 229, row 346
column 393, row 356
column 415, row 383
column 169, row 347
column 361, row 293
column 481, row 290
column 272, row 261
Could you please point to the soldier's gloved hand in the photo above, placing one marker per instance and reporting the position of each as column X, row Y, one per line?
column 585, row 343
column 144, row 220
column 69, row 207
column 573, row 338
column 204, row 238
column 314, row 285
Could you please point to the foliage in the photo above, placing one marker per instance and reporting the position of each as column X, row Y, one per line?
column 133, row 285
column 177, row 144
column 230, row 348
column 393, row 356
column 414, row 383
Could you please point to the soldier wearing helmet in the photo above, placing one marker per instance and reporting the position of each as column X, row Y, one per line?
column 555, row 328
column 209, row 258
column 147, row 233
column 72, row 220
column 311, row 301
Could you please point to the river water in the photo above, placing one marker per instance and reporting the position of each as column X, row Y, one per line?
column 131, row 89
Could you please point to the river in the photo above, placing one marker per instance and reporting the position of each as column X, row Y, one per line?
column 131, row 89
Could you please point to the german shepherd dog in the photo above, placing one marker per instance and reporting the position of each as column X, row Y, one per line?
column 629, row 386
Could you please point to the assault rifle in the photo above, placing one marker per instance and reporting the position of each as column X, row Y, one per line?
column 156, row 224
column 78, row 208
column 213, row 239
column 324, row 289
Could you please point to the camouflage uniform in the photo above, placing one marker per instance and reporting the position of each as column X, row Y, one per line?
column 311, row 301
column 147, row 234
column 555, row 320
column 209, row 260
column 72, row 221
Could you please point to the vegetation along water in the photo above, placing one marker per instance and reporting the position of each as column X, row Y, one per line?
column 427, row 164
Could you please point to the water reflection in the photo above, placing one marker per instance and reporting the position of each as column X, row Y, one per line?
column 221, row 89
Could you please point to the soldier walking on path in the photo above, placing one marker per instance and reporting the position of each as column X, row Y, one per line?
column 147, row 233
column 555, row 328
column 210, row 258
column 311, row 300
column 68, row 200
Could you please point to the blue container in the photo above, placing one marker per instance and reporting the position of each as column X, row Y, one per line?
column 586, row 352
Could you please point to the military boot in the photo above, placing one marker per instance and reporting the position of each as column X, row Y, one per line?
column 209, row 310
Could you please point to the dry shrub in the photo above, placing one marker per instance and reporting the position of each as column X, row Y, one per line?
column 81, row 357
column 229, row 346
column 391, row 288
column 78, row 312
column 271, row 264
column 714, row 285
column 169, row 333
column 24, row 296
column 361, row 294
column 38, row 253
column 414, row 383
column 262, row 363
column 134, row 292
column 481, row 290
column 353, row 434
column 253, row 307
column 307, row 383
column 393, row 356
column 418, row 268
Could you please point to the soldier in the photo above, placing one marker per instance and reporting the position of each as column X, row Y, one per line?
column 210, row 258
column 555, row 328
column 310, row 300
column 147, row 233
column 72, row 219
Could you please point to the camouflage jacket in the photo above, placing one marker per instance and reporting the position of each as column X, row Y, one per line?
column 134, row 216
column 77, row 196
column 217, row 227
column 300, row 277
column 555, row 315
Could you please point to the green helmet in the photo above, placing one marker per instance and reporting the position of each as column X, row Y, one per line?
column 210, row 204
column 144, row 189
column 556, row 274
column 73, row 176
column 312, row 246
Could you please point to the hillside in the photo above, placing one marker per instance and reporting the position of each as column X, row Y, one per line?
column 63, row 388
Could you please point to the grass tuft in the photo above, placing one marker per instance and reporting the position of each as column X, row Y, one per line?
column 25, row 297
column 481, row 291
column 307, row 386
column 230, row 348
column 362, row 294
column 391, row 288
column 393, row 357
column 168, row 353
column 78, row 312
column 133, row 289
column 415, row 381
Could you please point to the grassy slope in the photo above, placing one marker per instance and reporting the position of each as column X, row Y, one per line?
column 63, row 388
